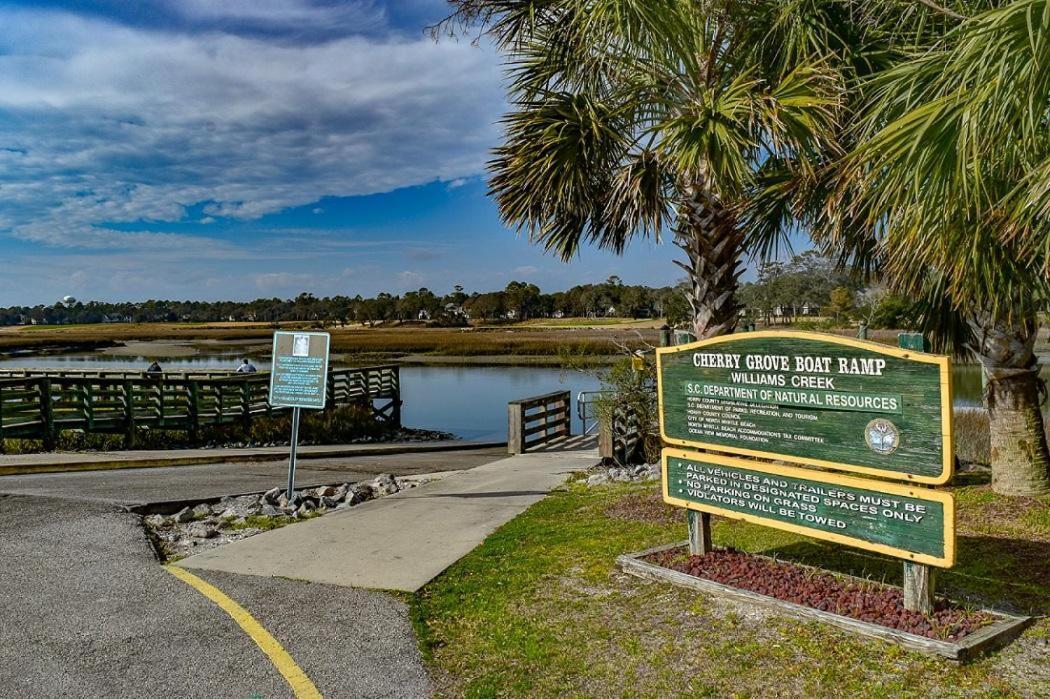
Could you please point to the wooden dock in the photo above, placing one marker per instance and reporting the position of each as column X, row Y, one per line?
column 39, row 404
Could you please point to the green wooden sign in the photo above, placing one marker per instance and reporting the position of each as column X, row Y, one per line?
column 815, row 399
column 913, row 523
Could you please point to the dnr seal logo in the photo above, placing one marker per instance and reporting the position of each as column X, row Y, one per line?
column 882, row 436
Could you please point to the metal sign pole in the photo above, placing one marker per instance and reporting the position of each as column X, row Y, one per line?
column 291, row 454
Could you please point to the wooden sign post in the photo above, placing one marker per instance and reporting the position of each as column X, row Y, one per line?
column 919, row 579
column 820, row 401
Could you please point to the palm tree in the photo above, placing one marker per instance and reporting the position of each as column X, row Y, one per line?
column 629, row 117
column 952, row 176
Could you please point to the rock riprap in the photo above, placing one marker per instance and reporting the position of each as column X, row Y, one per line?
column 602, row 474
column 205, row 525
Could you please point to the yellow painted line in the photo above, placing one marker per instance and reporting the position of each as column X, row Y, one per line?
column 296, row 678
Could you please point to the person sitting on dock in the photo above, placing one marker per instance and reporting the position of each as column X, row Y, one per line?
column 154, row 368
column 246, row 367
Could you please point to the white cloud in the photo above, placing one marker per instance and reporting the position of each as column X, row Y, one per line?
column 107, row 124
column 268, row 281
column 526, row 270
column 292, row 13
column 409, row 279
column 418, row 253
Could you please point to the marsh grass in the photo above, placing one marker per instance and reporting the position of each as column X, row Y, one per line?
column 486, row 341
column 377, row 342
column 972, row 435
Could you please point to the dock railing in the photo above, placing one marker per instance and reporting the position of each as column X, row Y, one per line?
column 534, row 422
column 39, row 404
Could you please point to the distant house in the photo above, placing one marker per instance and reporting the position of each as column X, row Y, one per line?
column 558, row 314
column 791, row 311
column 115, row 318
column 454, row 310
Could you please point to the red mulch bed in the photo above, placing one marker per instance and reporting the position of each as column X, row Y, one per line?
column 866, row 601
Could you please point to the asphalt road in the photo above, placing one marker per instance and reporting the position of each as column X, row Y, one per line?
column 175, row 483
column 87, row 611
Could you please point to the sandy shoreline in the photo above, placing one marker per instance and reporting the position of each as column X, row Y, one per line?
column 176, row 348
column 492, row 360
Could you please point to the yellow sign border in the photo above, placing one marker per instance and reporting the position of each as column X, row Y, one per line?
column 946, row 500
column 948, row 461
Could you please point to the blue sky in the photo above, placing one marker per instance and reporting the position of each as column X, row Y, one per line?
column 232, row 149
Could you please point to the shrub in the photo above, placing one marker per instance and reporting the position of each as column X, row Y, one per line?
column 818, row 325
column 626, row 391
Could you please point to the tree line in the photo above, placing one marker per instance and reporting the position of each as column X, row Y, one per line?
column 806, row 286
column 811, row 285
column 517, row 301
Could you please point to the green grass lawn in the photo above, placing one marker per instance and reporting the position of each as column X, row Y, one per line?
column 539, row 610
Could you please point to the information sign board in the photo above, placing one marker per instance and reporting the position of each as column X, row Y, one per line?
column 299, row 376
column 814, row 399
column 909, row 522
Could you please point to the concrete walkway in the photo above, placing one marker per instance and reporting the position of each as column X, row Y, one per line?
column 12, row 464
column 403, row 541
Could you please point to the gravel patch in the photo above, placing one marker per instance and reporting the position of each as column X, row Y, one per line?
column 613, row 473
column 206, row 525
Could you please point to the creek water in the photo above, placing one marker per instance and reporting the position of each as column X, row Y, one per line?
column 468, row 401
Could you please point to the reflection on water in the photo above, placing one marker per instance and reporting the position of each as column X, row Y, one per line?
column 468, row 401
column 966, row 384
column 472, row 401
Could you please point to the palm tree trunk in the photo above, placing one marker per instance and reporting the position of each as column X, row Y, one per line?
column 1012, row 395
column 707, row 232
